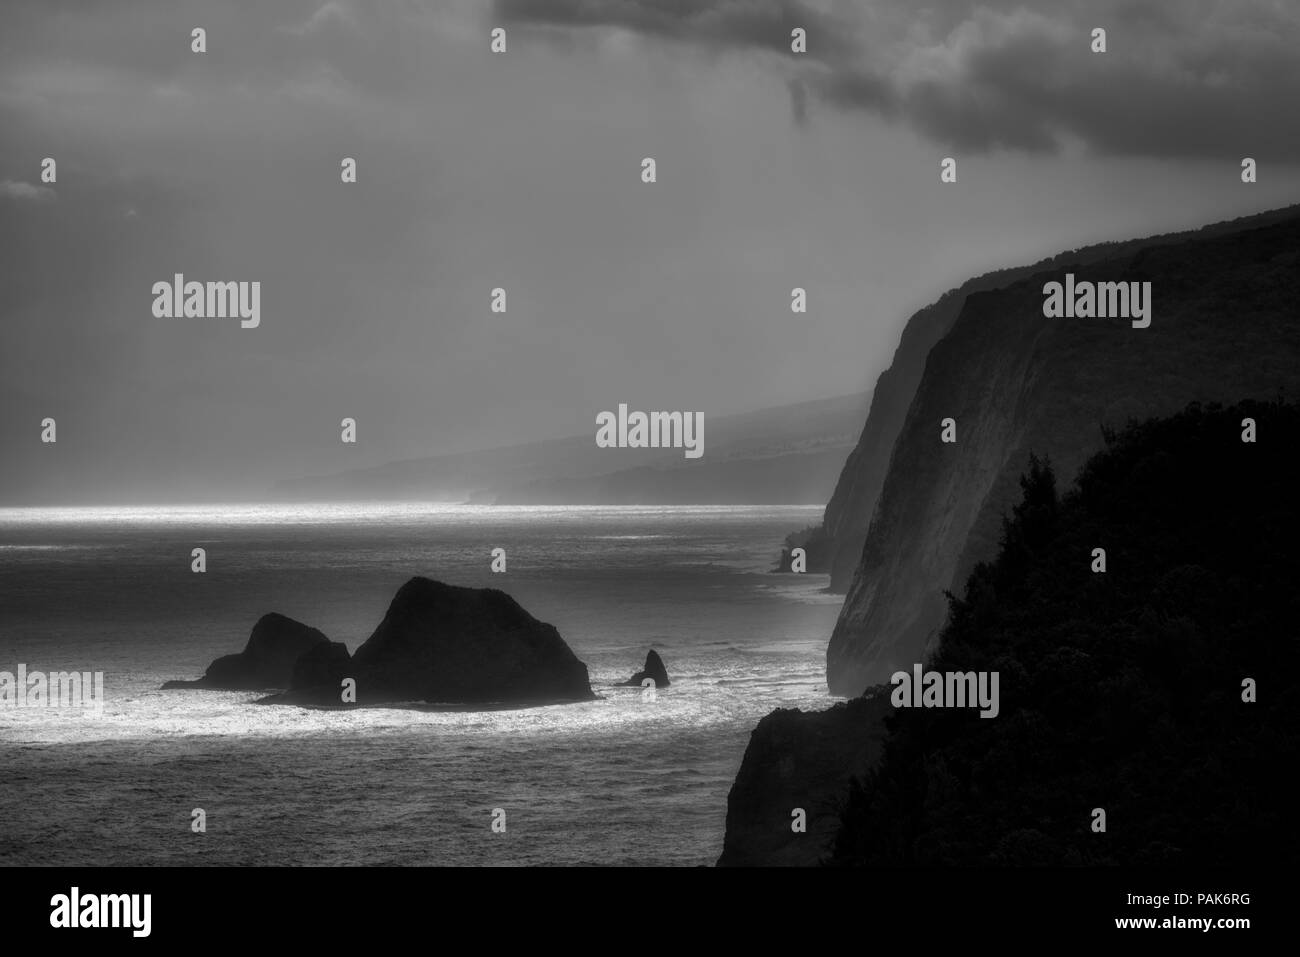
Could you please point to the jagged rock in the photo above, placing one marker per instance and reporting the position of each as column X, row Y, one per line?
column 267, row 661
column 654, row 669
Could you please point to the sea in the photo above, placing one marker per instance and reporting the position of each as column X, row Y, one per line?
column 627, row 779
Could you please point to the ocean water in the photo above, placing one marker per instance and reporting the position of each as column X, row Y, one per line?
column 622, row 780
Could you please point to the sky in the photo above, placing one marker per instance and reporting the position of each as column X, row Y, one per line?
column 522, row 170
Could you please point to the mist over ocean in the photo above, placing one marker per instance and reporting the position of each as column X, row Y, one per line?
column 616, row 781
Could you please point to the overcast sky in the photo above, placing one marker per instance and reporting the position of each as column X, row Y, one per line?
column 522, row 170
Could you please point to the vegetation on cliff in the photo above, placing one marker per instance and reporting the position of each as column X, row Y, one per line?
column 1121, row 690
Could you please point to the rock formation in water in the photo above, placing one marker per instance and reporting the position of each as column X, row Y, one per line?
column 837, row 546
column 1224, row 328
column 800, row 760
column 267, row 661
column 447, row 645
column 654, row 669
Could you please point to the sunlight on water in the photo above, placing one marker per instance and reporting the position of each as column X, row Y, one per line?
column 622, row 779
column 352, row 513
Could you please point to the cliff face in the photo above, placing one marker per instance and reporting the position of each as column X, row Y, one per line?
column 851, row 506
column 1224, row 328
column 848, row 513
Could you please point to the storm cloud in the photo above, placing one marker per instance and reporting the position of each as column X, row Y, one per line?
column 1203, row 78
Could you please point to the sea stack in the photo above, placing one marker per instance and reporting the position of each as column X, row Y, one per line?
column 447, row 645
column 654, row 668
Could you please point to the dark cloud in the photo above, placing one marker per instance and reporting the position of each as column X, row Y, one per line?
column 716, row 24
column 1199, row 79
column 851, row 89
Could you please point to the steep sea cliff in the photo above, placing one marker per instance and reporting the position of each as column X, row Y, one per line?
column 913, row 516
column 1224, row 328
column 843, row 530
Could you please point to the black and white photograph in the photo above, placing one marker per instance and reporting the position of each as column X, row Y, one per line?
column 857, row 436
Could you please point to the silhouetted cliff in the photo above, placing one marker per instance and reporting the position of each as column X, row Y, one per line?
column 1161, row 691
column 1224, row 328
column 800, row 761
